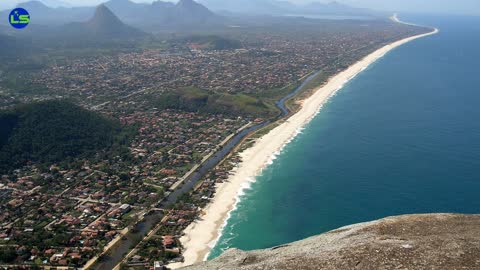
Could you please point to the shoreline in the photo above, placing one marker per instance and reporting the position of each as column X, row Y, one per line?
column 201, row 236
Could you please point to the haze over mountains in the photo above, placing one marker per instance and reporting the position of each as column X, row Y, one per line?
column 184, row 13
column 48, row 16
column 149, row 17
column 104, row 24
column 126, row 20
column 279, row 7
column 164, row 15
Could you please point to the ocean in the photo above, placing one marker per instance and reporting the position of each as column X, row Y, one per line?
column 402, row 137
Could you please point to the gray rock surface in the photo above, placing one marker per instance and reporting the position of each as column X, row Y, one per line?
column 432, row 241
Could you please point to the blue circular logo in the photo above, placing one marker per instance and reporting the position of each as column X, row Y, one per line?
column 19, row 18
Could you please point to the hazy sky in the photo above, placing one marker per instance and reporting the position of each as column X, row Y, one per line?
column 431, row 6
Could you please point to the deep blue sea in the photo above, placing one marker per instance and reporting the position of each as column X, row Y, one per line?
column 402, row 137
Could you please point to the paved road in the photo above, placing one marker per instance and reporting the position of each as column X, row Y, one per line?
column 142, row 229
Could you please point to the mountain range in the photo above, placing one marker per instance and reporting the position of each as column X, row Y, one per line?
column 279, row 7
column 158, row 15
column 126, row 20
column 188, row 14
column 100, row 27
column 164, row 15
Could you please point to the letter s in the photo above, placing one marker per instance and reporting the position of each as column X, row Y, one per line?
column 24, row 19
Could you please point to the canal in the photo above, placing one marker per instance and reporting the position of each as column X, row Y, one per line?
column 141, row 229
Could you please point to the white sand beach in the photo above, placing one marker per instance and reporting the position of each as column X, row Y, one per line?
column 202, row 234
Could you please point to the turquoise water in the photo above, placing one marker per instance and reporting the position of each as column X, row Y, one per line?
column 402, row 137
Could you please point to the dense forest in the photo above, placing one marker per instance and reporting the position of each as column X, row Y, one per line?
column 52, row 131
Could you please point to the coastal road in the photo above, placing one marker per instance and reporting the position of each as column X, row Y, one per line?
column 122, row 248
column 131, row 239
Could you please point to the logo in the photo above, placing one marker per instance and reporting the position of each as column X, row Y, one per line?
column 19, row 18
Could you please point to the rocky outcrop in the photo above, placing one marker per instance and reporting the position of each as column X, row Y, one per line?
column 433, row 241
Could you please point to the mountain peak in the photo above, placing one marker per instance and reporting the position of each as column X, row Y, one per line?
column 162, row 3
column 192, row 8
column 188, row 4
column 118, row 2
column 105, row 24
column 103, row 17
column 102, row 8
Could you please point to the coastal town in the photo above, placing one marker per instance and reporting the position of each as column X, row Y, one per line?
column 264, row 63
column 70, row 214
column 92, row 203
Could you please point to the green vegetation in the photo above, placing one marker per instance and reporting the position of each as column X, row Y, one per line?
column 199, row 100
column 53, row 131
column 210, row 42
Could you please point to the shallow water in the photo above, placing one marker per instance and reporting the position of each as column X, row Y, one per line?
column 402, row 137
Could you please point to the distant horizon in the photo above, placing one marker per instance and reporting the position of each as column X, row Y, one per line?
column 440, row 7
column 161, row 133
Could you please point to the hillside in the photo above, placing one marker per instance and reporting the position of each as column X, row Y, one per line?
column 52, row 131
column 7, row 44
column 199, row 100
column 191, row 12
column 435, row 241
column 161, row 15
